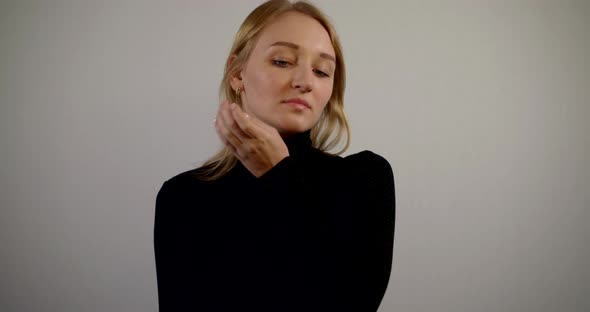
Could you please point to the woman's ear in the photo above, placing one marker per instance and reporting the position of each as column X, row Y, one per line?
column 235, row 77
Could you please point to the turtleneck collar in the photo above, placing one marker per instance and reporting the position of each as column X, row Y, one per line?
column 299, row 146
column 298, row 143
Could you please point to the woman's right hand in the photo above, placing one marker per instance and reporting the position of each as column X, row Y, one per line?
column 256, row 144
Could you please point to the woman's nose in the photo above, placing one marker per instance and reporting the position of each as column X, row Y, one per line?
column 302, row 79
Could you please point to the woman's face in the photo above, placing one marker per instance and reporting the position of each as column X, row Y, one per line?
column 288, row 79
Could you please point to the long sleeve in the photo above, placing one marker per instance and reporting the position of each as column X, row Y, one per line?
column 368, row 184
column 174, row 262
column 167, row 252
column 194, row 248
column 376, row 260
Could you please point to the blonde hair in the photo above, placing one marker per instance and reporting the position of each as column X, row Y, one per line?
column 332, row 127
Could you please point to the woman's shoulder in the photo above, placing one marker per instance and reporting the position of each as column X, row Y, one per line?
column 367, row 157
column 373, row 173
column 184, row 191
column 188, row 179
column 367, row 160
column 369, row 166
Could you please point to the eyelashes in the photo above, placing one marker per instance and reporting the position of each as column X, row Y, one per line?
column 286, row 64
column 280, row 63
column 321, row 73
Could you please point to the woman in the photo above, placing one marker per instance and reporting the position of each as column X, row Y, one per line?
column 274, row 222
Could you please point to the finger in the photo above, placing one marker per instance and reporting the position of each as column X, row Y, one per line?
column 250, row 124
column 224, row 140
column 231, row 124
column 217, row 123
column 225, row 134
column 244, row 121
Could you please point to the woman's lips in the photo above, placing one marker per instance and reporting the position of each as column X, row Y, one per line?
column 300, row 103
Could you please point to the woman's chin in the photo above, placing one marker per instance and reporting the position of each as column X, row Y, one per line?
column 291, row 130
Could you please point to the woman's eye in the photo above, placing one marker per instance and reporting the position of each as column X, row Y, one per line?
column 280, row 63
column 321, row 73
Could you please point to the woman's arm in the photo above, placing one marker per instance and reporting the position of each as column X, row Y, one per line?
column 183, row 243
column 168, row 250
column 371, row 188
column 380, row 231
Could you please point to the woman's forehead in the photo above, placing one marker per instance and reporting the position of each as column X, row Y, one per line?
column 298, row 31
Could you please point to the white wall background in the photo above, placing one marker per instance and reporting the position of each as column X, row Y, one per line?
column 482, row 108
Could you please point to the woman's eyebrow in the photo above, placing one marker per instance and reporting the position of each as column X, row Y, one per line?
column 296, row 47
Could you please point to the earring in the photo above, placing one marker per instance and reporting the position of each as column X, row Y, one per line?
column 238, row 90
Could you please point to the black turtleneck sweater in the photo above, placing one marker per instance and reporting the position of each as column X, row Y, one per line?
column 314, row 233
